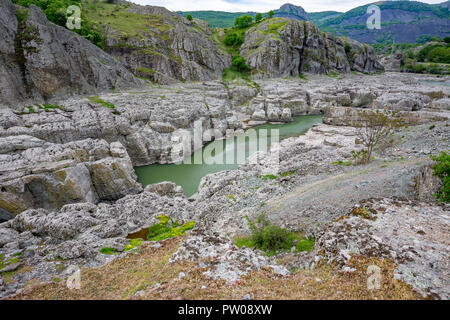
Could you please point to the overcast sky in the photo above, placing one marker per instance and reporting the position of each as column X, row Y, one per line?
column 259, row 5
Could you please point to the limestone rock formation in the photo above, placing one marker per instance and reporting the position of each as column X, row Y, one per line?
column 165, row 47
column 40, row 61
column 39, row 174
column 282, row 47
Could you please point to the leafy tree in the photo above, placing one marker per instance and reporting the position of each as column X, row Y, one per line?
column 233, row 39
column 271, row 13
column 189, row 17
column 377, row 127
column 258, row 17
column 447, row 39
column 239, row 64
column 243, row 22
column 442, row 170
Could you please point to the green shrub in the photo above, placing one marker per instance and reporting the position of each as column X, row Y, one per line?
column 271, row 238
column 134, row 243
column 108, row 250
column 258, row 17
column 189, row 17
column 104, row 103
column 168, row 228
column 56, row 12
column 243, row 22
column 239, row 64
column 233, row 39
column 442, row 170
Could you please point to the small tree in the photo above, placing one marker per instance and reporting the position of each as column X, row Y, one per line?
column 243, row 22
column 271, row 13
column 189, row 17
column 258, row 17
column 377, row 127
column 239, row 64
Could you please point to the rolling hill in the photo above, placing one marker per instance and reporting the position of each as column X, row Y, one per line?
column 402, row 21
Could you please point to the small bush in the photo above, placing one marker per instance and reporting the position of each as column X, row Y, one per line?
column 168, row 228
column 271, row 238
column 239, row 64
column 189, row 17
column 442, row 170
column 108, row 250
column 233, row 39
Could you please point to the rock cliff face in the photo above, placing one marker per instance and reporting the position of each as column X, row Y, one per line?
column 282, row 47
column 160, row 45
column 39, row 174
column 40, row 61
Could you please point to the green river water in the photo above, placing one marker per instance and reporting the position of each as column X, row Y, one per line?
column 188, row 176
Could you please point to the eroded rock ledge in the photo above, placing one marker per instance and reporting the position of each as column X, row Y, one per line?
column 40, row 174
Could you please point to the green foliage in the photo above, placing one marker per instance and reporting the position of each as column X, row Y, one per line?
column 134, row 243
column 168, row 228
column 108, row 250
column 258, row 17
column 145, row 71
column 270, row 14
column 96, row 99
column 442, row 170
column 287, row 173
column 243, row 22
column 348, row 48
column 271, row 238
column 189, row 17
column 233, row 39
column 269, row 177
column 56, row 12
column 434, row 53
column 239, row 64
column 230, row 74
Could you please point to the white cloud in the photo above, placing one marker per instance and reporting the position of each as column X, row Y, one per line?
column 258, row 5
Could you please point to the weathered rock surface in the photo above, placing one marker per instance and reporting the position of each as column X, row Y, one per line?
column 220, row 258
column 282, row 47
column 39, row 174
column 40, row 61
column 412, row 234
column 167, row 47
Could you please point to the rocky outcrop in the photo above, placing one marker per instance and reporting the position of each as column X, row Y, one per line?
column 282, row 47
column 40, row 61
column 413, row 235
column 427, row 184
column 288, row 10
column 230, row 263
column 343, row 116
column 39, row 174
column 165, row 47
